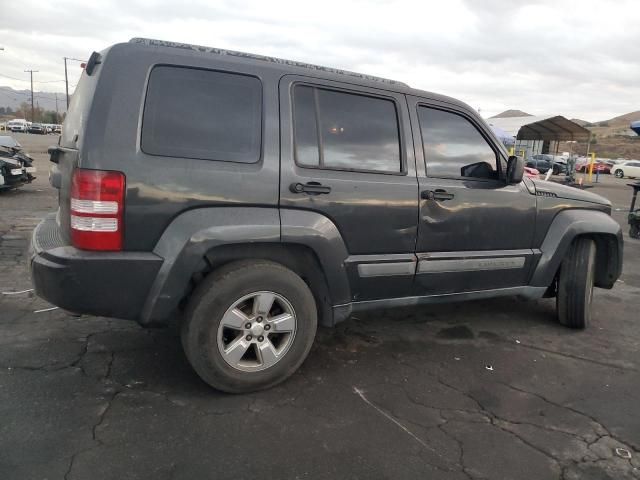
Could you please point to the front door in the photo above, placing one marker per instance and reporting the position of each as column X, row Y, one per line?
column 347, row 155
column 475, row 231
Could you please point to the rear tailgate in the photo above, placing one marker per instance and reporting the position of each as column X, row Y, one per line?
column 65, row 160
column 66, row 156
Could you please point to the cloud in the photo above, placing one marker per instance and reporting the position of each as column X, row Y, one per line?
column 575, row 58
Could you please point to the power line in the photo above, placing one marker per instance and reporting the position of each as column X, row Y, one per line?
column 13, row 78
column 27, row 81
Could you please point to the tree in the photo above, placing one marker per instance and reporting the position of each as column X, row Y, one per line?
column 3, row 110
column 25, row 110
column 49, row 116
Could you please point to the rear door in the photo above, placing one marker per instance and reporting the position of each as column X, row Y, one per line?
column 475, row 231
column 347, row 154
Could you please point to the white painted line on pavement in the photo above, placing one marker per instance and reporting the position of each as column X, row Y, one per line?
column 45, row 310
column 18, row 293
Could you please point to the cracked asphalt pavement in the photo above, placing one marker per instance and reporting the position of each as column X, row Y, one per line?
column 481, row 390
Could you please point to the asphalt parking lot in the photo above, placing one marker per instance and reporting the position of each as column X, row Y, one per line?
column 481, row 390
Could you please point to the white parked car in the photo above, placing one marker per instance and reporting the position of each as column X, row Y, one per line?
column 630, row 168
column 17, row 125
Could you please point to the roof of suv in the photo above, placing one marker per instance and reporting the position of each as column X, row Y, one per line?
column 334, row 73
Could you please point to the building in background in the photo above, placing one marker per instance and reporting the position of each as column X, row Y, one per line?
column 540, row 134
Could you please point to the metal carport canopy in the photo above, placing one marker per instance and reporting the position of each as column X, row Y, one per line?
column 545, row 127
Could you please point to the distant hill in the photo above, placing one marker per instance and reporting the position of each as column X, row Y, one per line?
column 614, row 126
column 604, row 128
column 512, row 113
column 623, row 120
column 47, row 100
column 582, row 123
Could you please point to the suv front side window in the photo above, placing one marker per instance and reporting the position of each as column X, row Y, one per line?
column 345, row 131
column 454, row 147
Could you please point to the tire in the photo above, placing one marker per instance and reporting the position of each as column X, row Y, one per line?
column 575, row 284
column 619, row 174
column 556, row 170
column 634, row 231
column 206, row 336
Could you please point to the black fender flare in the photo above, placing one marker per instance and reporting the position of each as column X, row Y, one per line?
column 319, row 233
column 185, row 243
column 565, row 227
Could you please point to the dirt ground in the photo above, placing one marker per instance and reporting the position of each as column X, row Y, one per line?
column 481, row 390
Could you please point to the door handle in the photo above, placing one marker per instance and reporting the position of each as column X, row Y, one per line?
column 438, row 194
column 311, row 188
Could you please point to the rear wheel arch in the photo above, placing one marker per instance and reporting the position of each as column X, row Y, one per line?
column 249, row 325
column 300, row 259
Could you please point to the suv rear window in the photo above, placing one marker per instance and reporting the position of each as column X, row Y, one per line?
column 202, row 114
column 345, row 131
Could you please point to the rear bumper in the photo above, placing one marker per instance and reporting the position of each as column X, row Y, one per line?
column 109, row 284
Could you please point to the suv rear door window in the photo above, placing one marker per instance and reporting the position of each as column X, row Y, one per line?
column 202, row 114
column 454, row 147
column 345, row 131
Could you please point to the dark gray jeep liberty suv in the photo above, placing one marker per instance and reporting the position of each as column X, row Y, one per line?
column 253, row 198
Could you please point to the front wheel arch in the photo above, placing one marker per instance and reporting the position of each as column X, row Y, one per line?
column 565, row 228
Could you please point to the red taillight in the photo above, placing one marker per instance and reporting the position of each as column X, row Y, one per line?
column 97, row 204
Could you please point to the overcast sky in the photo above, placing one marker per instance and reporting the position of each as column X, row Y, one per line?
column 576, row 58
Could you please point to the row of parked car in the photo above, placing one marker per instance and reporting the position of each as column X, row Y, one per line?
column 21, row 125
column 558, row 165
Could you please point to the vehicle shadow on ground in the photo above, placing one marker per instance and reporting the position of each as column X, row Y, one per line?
column 155, row 357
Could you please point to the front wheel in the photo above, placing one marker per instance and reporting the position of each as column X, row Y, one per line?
column 249, row 326
column 575, row 284
column 634, row 231
column 619, row 174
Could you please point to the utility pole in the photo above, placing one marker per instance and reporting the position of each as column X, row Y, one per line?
column 66, row 81
column 31, row 72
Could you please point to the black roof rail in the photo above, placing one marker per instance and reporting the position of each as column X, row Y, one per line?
column 292, row 63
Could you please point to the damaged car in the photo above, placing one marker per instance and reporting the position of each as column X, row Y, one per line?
column 16, row 167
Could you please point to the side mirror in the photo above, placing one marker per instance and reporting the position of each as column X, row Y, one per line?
column 515, row 169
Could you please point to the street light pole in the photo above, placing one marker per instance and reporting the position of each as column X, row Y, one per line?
column 66, row 77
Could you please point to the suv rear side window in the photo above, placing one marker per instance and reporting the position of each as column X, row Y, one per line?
column 454, row 147
column 203, row 114
column 345, row 131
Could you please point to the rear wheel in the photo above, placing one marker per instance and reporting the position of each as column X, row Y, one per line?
column 619, row 174
column 634, row 231
column 575, row 284
column 249, row 326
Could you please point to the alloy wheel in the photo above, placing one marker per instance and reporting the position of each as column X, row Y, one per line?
column 256, row 331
